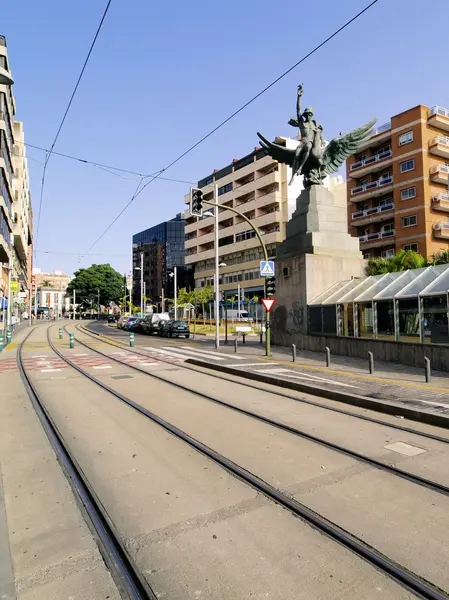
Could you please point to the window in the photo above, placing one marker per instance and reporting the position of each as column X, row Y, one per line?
column 407, row 165
column 387, row 253
column 387, row 227
column 225, row 188
column 413, row 247
column 406, row 138
column 408, row 193
column 409, row 221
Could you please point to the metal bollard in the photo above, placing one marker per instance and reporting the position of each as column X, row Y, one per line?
column 1, row 342
column 131, row 339
column 370, row 363
column 8, row 336
column 235, row 345
column 427, row 370
column 60, row 333
column 261, row 335
column 244, row 336
column 294, row 352
column 328, row 357
column 71, row 340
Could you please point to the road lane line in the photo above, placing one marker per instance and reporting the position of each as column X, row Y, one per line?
column 103, row 367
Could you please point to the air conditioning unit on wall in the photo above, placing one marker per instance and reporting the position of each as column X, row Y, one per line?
column 286, row 271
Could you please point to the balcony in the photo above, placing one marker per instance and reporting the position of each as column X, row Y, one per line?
column 439, row 117
column 440, row 202
column 371, row 215
column 372, row 188
column 371, row 164
column 375, row 240
column 439, row 145
column 379, row 135
column 439, row 174
column 441, row 230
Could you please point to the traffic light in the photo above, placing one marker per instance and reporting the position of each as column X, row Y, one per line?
column 270, row 287
column 196, row 202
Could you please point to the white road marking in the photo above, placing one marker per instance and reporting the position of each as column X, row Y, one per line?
column 435, row 403
column 287, row 373
column 146, row 364
column 80, row 355
column 405, row 449
column 103, row 367
column 39, row 356
column 206, row 352
column 260, row 364
column 49, row 370
column 167, row 353
column 195, row 353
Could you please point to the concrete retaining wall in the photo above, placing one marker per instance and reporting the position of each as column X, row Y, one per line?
column 394, row 352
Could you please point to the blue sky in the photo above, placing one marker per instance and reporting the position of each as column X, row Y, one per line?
column 163, row 74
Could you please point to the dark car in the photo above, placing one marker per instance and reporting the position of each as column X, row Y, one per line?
column 136, row 325
column 128, row 322
column 113, row 318
column 174, row 329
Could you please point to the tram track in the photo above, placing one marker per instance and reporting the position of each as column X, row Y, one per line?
column 129, row 582
column 406, row 577
column 416, row 479
column 237, row 380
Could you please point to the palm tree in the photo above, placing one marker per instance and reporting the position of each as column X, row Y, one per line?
column 46, row 283
column 232, row 300
column 255, row 299
column 402, row 261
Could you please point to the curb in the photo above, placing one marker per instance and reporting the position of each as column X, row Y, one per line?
column 382, row 406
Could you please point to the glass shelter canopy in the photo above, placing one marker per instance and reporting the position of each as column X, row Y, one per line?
column 407, row 306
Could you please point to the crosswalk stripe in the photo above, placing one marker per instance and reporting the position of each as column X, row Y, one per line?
column 260, row 364
column 295, row 375
column 167, row 353
column 195, row 353
column 207, row 353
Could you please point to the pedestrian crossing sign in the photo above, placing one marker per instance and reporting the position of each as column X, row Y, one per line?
column 267, row 268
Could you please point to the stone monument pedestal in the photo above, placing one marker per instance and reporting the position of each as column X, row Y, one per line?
column 317, row 253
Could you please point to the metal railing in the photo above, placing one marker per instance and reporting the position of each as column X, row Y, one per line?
column 371, row 185
column 373, row 211
column 371, row 160
column 440, row 226
column 381, row 129
column 439, row 139
column 438, row 110
column 380, row 235
column 437, row 168
column 440, row 197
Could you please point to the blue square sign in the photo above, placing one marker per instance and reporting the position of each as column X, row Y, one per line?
column 267, row 268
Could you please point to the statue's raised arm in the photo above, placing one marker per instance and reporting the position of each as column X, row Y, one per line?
column 297, row 122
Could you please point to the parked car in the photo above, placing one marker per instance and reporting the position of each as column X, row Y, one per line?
column 129, row 322
column 136, row 325
column 174, row 329
column 239, row 315
column 120, row 322
column 153, row 322
column 113, row 318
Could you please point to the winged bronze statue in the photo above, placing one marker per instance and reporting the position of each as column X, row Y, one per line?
column 312, row 158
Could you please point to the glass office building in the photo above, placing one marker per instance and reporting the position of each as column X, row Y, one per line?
column 163, row 249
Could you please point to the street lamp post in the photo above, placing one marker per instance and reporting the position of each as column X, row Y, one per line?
column 98, row 304
column 175, row 288
column 141, row 284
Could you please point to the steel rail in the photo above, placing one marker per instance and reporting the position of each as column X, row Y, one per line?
column 404, row 576
column 130, row 583
column 431, row 436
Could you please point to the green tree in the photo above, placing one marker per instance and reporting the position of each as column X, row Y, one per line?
column 402, row 261
column 204, row 296
column 104, row 278
column 440, row 258
column 46, row 283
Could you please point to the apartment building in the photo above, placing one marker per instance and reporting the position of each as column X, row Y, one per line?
column 256, row 185
column 398, row 185
column 22, row 224
column 7, row 111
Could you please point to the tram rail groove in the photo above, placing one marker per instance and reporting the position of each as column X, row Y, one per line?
column 129, row 582
column 408, row 579
column 241, row 374
column 372, row 462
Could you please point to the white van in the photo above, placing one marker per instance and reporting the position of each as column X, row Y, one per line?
column 239, row 315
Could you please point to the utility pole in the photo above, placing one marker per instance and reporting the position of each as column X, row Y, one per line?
column 74, row 305
column 175, row 283
column 98, row 304
column 162, row 301
column 141, row 284
column 8, row 310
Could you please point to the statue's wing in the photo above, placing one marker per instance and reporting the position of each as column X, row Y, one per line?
column 341, row 147
column 280, row 153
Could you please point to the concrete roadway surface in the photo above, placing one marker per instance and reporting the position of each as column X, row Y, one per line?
column 194, row 530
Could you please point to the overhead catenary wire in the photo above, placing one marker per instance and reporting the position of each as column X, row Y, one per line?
column 49, row 153
column 234, row 114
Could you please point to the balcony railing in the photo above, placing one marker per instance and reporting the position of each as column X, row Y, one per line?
column 439, row 139
column 438, row 110
column 437, row 168
column 371, row 185
column 380, row 235
column 440, row 226
column 373, row 211
column 372, row 159
column 440, row 197
column 382, row 128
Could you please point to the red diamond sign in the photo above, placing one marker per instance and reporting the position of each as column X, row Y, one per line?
column 268, row 303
